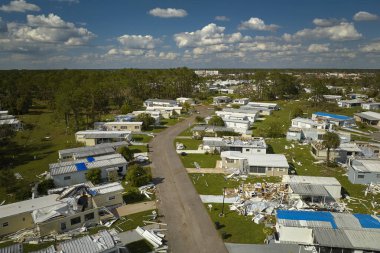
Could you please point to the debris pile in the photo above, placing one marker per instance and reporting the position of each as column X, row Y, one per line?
column 148, row 190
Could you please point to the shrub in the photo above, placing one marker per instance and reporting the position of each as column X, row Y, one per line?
column 44, row 186
column 94, row 175
column 138, row 176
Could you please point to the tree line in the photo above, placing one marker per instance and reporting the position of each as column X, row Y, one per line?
column 84, row 95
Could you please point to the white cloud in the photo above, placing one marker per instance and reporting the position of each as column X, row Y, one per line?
column 43, row 34
column 373, row 47
column 211, row 34
column 168, row 13
column 365, row 16
column 257, row 24
column 341, row 32
column 19, row 6
column 318, row 48
column 222, row 18
column 138, row 41
column 327, row 22
column 168, row 56
column 267, row 46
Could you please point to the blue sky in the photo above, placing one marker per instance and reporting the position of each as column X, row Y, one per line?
column 193, row 33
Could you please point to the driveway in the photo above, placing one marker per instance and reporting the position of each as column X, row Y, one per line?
column 190, row 228
column 136, row 208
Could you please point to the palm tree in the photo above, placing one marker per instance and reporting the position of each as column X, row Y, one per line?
column 330, row 141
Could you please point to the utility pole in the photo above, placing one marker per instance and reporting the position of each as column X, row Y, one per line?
column 224, row 194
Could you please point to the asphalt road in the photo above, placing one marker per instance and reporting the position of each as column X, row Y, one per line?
column 190, row 228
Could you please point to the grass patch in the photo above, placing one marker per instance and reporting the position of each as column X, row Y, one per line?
column 142, row 138
column 129, row 222
column 212, row 184
column 191, row 144
column 237, row 228
column 187, row 132
column 138, row 148
column 29, row 152
column 355, row 137
column 205, row 161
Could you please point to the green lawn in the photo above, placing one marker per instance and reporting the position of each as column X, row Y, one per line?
column 29, row 152
column 138, row 148
column 237, row 228
column 187, row 132
column 126, row 223
column 191, row 144
column 205, row 161
column 142, row 138
column 212, row 184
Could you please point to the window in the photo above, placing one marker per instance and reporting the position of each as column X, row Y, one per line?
column 230, row 160
column 111, row 197
column 124, row 127
column 89, row 216
column 67, row 178
column 63, row 226
column 75, row 221
column 259, row 150
column 247, row 150
column 5, row 224
column 137, row 127
column 269, row 169
column 256, row 169
column 378, row 175
column 360, row 176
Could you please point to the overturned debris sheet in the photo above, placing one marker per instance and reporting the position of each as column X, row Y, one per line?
column 151, row 237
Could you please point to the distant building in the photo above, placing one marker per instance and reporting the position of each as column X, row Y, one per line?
column 357, row 96
column 370, row 118
column 241, row 101
column 200, row 131
column 166, row 112
column 125, row 118
column 182, row 100
column 371, row 106
column 350, row 103
column 252, row 145
column 133, row 126
column 154, row 114
column 238, row 125
column 206, row 72
column 221, row 100
column 255, row 164
column 74, row 172
column 160, row 102
column 338, row 120
column 332, row 98
column 238, row 114
column 10, row 120
column 364, row 171
column 271, row 106
column 225, row 91
column 95, row 137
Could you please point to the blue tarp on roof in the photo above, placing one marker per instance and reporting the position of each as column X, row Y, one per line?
column 81, row 166
column 334, row 116
column 367, row 221
column 90, row 159
column 305, row 215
